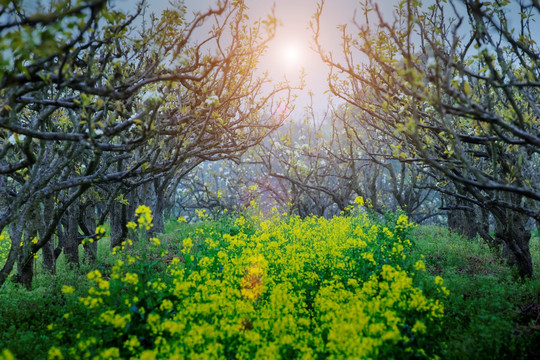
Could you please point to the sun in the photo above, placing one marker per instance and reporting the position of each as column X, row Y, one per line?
column 291, row 54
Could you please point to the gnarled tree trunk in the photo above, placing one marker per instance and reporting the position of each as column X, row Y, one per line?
column 512, row 232
column 47, row 251
column 71, row 240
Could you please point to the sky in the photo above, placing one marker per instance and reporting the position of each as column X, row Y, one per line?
column 291, row 49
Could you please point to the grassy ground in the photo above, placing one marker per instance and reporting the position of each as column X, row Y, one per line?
column 489, row 315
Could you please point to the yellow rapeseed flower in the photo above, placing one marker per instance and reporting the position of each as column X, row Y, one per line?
column 420, row 266
column 66, row 289
column 187, row 244
column 54, row 353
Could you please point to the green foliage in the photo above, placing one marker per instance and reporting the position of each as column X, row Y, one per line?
column 484, row 310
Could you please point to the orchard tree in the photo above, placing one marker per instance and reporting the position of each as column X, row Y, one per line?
column 93, row 97
column 324, row 162
column 457, row 84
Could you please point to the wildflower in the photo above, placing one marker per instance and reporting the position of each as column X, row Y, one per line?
column 187, row 244
column 144, row 217
column 420, row 266
column 359, row 200
column 100, row 231
column 103, row 285
column 240, row 221
column 153, row 321
column 445, row 291
column 419, row 327
column 132, row 343
column 402, row 220
column 110, row 353
column 131, row 225
column 131, row 278
column 66, row 289
column 155, row 241
column 166, row 305
column 148, row 355
column 201, row 213
column 439, row 280
column 181, row 219
column 54, row 353
column 96, row 274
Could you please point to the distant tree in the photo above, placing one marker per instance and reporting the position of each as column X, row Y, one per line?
column 323, row 163
column 458, row 92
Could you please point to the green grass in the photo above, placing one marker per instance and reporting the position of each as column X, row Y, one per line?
column 25, row 315
column 489, row 314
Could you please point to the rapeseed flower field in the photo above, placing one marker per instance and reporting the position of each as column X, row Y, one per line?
column 283, row 287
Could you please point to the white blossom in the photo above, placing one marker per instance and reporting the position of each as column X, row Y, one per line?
column 151, row 96
column 7, row 57
column 15, row 139
column 212, row 100
column 458, row 79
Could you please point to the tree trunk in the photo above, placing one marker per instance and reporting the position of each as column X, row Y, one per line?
column 71, row 244
column 514, row 235
column 88, row 224
column 28, row 229
column 47, row 251
column 16, row 235
column 494, row 243
column 118, row 224
column 462, row 219
column 159, row 226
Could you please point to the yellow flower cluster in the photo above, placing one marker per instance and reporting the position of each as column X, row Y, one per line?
column 202, row 214
column 144, row 217
column 6, row 355
column 280, row 288
column 5, row 246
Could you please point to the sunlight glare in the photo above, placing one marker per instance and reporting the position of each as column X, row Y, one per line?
column 291, row 54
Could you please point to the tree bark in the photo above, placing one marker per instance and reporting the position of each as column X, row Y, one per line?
column 27, row 230
column 71, row 244
column 514, row 235
column 47, row 251
column 118, row 224
column 88, row 225
column 159, row 189
column 462, row 219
